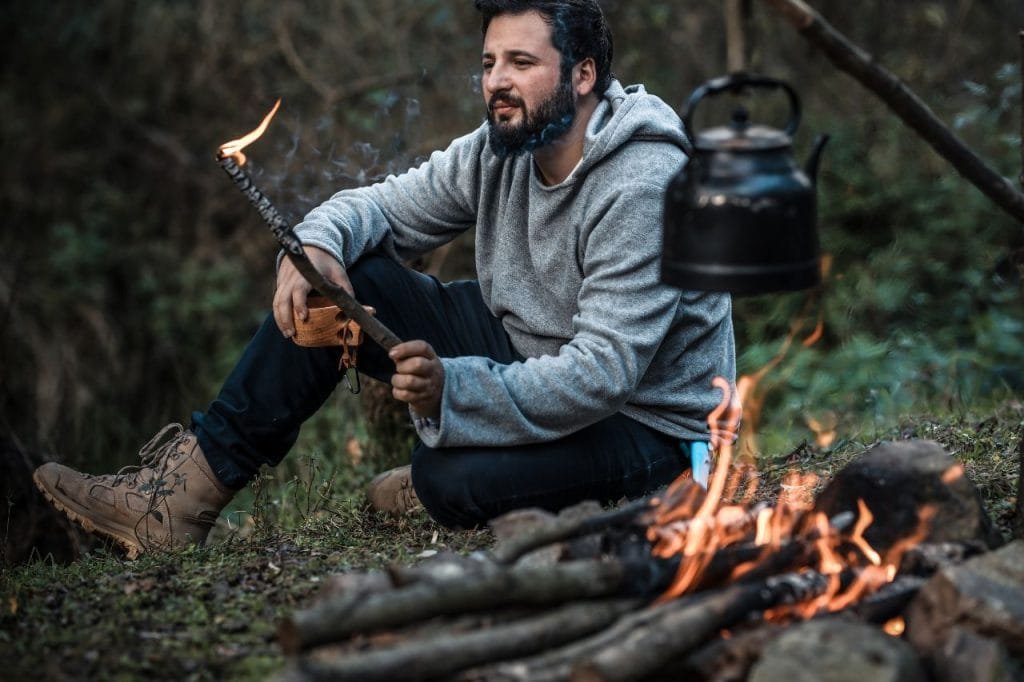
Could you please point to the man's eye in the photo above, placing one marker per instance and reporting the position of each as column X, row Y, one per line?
column 521, row 63
column 488, row 67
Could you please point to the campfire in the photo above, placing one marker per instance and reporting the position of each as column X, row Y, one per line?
column 692, row 582
column 699, row 582
column 687, row 585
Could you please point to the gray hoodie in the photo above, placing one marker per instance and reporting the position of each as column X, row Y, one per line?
column 572, row 271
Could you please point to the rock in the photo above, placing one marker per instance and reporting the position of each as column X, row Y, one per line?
column 969, row 656
column 984, row 595
column 837, row 650
column 896, row 480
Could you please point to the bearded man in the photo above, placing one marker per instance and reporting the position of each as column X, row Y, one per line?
column 566, row 372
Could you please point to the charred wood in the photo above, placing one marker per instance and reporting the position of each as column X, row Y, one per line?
column 682, row 626
column 889, row 601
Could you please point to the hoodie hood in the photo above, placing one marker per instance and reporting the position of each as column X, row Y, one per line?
column 626, row 113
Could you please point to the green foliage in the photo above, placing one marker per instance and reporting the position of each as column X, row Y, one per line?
column 923, row 304
column 134, row 273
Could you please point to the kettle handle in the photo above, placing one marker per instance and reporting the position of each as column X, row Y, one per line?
column 735, row 82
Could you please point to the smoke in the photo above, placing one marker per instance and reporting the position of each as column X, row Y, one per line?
column 305, row 160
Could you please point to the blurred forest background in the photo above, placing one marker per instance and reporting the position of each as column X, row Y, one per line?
column 133, row 271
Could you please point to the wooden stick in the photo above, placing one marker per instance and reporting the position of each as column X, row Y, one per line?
column 735, row 36
column 334, row 620
column 645, row 650
column 286, row 237
column 889, row 601
column 448, row 653
column 908, row 106
column 569, row 529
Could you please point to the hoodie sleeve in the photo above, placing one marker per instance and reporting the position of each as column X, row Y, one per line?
column 406, row 215
column 623, row 314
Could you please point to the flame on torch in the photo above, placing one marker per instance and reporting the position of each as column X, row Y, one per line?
column 234, row 148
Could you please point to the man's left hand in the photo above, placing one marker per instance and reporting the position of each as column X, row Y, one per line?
column 418, row 378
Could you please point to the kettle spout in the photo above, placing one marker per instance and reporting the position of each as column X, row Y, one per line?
column 811, row 168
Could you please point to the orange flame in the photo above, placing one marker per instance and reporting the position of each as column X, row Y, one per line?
column 693, row 524
column 953, row 474
column 234, row 148
column 824, row 429
column 895, row 627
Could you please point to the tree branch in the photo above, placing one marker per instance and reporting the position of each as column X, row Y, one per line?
column 908, row 106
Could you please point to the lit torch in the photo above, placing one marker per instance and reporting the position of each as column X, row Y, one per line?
column 231, row 160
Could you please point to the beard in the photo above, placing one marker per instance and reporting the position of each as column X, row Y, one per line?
column 552, row 119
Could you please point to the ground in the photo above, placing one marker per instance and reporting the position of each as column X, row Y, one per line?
column 211, row 613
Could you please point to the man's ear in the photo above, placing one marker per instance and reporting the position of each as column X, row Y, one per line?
column 584, row 77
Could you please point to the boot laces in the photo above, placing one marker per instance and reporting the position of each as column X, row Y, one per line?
column 157, row 451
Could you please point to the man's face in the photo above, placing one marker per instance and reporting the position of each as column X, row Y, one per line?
column 529, row 104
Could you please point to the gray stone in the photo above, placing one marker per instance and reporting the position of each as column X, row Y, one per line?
column 837, row 650
column 966, row 655
column 896, row 480
column 984, row 595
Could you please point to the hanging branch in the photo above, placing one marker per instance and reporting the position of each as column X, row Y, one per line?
column 736, row 35
column 908, row 106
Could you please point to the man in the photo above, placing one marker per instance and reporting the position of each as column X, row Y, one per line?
column 567, row 372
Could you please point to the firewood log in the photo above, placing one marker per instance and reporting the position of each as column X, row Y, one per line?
column 334, row 620
column 445, row 654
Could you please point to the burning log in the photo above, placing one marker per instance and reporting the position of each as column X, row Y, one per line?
column 231, row 160
column 682, row 625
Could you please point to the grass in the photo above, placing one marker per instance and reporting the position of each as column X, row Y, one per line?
column 210, row 613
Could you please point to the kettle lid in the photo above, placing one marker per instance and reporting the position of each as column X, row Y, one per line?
column 740, row 136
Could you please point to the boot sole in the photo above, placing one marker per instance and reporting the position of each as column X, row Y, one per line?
column 79, row 516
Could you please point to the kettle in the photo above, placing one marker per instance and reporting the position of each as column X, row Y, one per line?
column 740, row 215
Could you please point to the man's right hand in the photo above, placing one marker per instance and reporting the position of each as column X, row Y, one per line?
column 293, row 289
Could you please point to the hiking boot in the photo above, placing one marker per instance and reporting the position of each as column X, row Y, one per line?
column 392, row 493
column 172, row 499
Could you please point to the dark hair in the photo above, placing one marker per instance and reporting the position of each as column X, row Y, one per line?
column 578, row 30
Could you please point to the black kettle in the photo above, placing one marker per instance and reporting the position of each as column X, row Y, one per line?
column 740, row 215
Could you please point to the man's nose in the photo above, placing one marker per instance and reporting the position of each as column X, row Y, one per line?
column 497, row 79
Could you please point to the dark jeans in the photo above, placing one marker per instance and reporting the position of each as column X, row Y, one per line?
column 277, row 385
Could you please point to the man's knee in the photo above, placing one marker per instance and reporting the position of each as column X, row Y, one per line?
column 443, row 485
column 375, row 276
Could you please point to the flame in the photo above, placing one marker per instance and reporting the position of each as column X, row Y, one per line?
column 692, row 524
column 824, row 429
column 895, row 626
column 234, row 148
column 953, row 474
column 751, row 394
